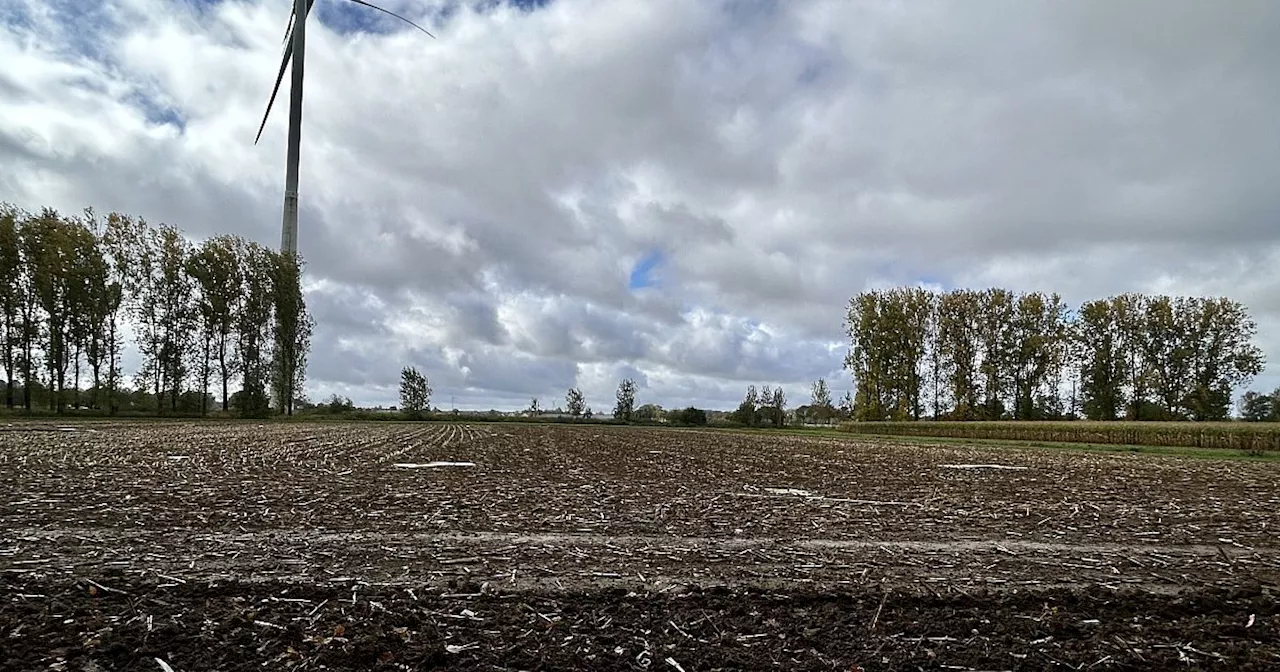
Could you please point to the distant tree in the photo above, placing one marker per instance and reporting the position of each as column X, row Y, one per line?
column 215, row 266
column 575, row 402
column 12, row 284
column 1257, row 407
column 533, row 407
column 999, row 340
column 933, row 347
column 868, row 356
column 1102, row 359
column 909, row 311
column 121, row 238
column 1039, row 331
column 845, row 409
column 1223, row 356
column 764, row 407
column 337, row 405
column 415, row 393
column 649, row 413
column 178, row 313
column 820, row 401
column 746, row 412
column 1130, row 333
column 292, row 330
column 888, row 343
column 777, row 407
column 624, row 409
column 253, row 328
column 101, row 295
column 49, row 249
column 693, row 417
column 959, row 318
column 30, row 322
column 587, row 413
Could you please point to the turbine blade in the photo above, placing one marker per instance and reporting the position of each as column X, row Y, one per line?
column 288, row 27
column 384, row 11
column 284, row 64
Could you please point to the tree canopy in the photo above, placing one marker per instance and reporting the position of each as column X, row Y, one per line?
column 73, row 288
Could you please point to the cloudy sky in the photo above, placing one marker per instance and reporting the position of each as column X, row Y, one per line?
column 682, row 191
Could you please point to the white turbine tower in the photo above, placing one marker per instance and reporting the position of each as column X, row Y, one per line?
column 295, row 47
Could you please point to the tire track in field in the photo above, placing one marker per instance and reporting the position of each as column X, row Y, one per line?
column 519, row 561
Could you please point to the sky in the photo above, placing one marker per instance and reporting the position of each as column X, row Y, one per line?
column 684, row 192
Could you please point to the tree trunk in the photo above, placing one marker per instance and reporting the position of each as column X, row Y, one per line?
column 111, row 364
column 53, row 377
column 76, row 393
column 9, row 373
column 61, row 365
column 26, row 374
column 62, row 390
column 95, row 401
column 204, row 378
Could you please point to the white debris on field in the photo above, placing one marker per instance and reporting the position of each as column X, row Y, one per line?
column 1007, row 467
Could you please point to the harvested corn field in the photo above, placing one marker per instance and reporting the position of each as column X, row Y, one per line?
column 1255, row 438
column 481, row 547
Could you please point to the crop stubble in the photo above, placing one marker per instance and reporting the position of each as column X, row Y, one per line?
column 231, row 545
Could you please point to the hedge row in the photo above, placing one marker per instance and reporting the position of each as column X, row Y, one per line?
column 1252, row 437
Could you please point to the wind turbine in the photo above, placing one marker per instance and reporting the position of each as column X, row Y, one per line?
column 295, row 48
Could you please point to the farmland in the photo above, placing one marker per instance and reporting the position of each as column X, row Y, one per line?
column 1256, row 438
column 480, row 547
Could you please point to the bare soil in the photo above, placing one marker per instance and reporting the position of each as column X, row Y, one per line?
column 238, row 546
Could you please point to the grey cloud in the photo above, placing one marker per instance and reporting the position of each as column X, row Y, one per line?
column 474, row 318
column 492, row 188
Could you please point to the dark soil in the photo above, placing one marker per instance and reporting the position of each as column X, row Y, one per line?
column 238, row 546
column 241, row 626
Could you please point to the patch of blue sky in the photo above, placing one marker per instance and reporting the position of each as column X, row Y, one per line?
column 529, row 5
column 522, row 5
column 81, row 29
column 203, row 6
column 349, row 18
column 929, row 280
column 642, row 273
column 15, row 15
column 156, row 112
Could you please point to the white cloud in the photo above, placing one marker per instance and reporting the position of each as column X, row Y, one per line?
column 474, row 204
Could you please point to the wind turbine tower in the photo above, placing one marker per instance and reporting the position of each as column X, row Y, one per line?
column 295, row 48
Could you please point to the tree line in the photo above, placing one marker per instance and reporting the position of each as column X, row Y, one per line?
column 1259, row 407
column 75, row 290
column 994, row 354
column 415, row 404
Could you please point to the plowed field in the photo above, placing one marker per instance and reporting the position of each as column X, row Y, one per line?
column 192, row 546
